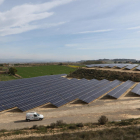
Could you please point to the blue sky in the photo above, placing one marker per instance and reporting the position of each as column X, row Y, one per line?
column 69, row 30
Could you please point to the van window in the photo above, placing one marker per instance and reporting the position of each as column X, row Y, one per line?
column 35, row 115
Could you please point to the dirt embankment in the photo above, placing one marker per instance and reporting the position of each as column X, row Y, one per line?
column 17, row 76
column 104, row 74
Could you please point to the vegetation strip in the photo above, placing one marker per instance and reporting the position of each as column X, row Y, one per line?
column 60, row 128
column 103, row 74
column 6, row 77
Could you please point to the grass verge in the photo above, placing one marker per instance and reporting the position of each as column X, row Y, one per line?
column 6, row 77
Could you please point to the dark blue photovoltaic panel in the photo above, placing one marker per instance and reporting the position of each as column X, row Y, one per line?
column 112, row 65
column 96, row 93
column 136, row 89
column 129, row 67
column 122, row 65
column 138, row 68
column 117, row 92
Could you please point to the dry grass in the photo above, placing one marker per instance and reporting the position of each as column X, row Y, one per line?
column 129, row 133
column 125, row 129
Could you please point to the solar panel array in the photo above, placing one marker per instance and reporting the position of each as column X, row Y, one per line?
column 117, row 92
column 136, row 90
column 96, row 92
column 131, row 66
column 33, row 92
column 122, row 65
column 127, row 66
column 30, row 93
column 112, row 65
column 25, row 93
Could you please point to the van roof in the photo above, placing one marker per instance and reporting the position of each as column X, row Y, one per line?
column 31, row 112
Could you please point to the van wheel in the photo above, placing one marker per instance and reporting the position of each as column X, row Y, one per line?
column 28, row 120
column 40, row 119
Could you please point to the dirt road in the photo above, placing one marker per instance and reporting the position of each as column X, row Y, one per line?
column 113, row 69
column 127, row 107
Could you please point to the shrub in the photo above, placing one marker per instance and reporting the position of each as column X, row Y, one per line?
column 60, row 123
column 103, row 120
column 122, row 123
column 103, row 74
column 72, row 127
column 60, row 64
column 34, row 127
column 79, row 125
column 3, row 130
column 52, row 125
column 41, row 127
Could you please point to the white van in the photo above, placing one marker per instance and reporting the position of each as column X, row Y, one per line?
column 33, row 116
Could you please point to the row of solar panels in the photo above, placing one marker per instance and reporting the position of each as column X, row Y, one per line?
column 127, row 66
column 28, row 80
column 34, row 92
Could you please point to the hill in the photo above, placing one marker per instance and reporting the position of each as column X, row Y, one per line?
column 103, row 74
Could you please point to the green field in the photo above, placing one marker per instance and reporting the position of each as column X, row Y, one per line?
column 28, row 72
column 6, row 77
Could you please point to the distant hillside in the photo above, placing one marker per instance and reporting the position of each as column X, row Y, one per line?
column 92, row 62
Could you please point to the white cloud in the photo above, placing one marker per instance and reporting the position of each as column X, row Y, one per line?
column 19, row 18
column 133, row 28
column 26, row 28
column 1, row 1
column 96, row 31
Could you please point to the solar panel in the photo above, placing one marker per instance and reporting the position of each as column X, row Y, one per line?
column 129, row 67
column 109, row 65
column 117, row 92
column 136, row 90
column 122, row 65
column 94, row 94
column 138, row 68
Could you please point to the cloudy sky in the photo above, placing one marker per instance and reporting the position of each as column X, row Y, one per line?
column 69, row 30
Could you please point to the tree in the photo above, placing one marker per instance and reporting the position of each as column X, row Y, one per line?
column 12, row 70
column 60, row 64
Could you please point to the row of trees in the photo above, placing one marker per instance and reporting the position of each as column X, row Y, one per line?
column 88, row 62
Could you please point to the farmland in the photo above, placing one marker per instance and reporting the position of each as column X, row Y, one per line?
column 28, row 72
